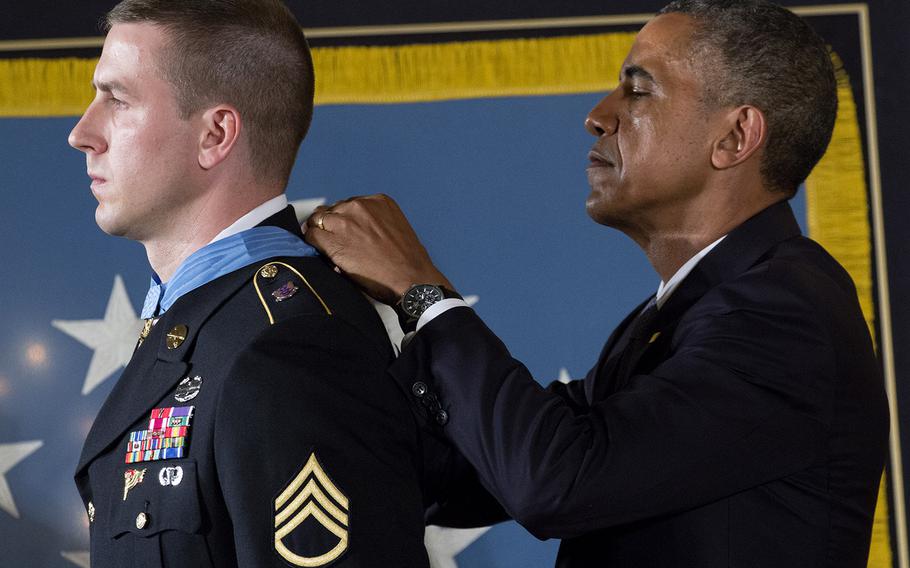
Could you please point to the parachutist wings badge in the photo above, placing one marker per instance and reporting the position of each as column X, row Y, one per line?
column 311, row 495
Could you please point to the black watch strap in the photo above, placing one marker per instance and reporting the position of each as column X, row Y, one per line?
column 408, row 321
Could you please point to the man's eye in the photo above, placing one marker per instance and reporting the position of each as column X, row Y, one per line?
column 115, row 102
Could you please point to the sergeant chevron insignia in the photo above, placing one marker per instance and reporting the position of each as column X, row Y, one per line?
column 311, row 494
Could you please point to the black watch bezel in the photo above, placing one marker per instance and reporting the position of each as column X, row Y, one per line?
column 408, row 314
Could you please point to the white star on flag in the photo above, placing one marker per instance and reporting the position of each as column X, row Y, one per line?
column 564, row 376
column 444, row 544
column 304, row 207
column 80, row 558
column 113, row 338
column 10, row 455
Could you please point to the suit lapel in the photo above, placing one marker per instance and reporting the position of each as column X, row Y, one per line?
column 603, row 378
column 742, row 248
column 154, row 369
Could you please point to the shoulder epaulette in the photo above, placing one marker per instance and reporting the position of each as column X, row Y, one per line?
column 276, row 282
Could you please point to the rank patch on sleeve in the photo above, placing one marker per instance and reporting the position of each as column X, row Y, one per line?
column 165, row 438
column 311, row 494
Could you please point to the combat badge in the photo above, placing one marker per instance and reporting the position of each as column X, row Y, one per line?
column 285, row 292
column 311, row 494
column 132, row 478
column 188, row 389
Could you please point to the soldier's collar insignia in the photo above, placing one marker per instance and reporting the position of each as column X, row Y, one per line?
column 268, row 271
column 311, row 494
column 285, row 292
column 132, row 478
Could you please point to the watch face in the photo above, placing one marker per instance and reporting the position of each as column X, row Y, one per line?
column 418, row 298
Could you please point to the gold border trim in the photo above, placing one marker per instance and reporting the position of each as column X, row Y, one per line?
column 886, row 341
column 435, row 28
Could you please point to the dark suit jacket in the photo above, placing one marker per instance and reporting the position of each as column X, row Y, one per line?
column 749, row 428
column 296, row 429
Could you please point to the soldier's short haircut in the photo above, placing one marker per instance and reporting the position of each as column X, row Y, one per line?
column 757, row 53
column 251, row 54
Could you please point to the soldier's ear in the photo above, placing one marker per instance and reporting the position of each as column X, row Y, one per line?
column 743, row 131
column 221, row 127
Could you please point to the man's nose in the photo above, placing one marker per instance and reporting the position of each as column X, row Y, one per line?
column 603, row 118
column 85, row 136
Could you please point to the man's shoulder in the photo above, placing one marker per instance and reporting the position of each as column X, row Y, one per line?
column 293, row 294
column 796, row 280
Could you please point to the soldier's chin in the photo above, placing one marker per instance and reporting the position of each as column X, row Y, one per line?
column 108, row 223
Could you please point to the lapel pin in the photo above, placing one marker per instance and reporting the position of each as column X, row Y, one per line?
column 176, row 336
column 146, row 329
column 285, row 292
column 188, row 389
column 269, row 271
column 132, row 478
column 654, row 337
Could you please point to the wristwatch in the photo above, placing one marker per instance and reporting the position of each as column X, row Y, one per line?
column 417, row 299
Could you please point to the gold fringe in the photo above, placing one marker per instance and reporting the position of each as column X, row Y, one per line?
column 836, row 191
column 372, row 75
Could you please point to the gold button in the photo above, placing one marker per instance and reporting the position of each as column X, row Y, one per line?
column 269, row 271
column 176, row 336
column 141, row 520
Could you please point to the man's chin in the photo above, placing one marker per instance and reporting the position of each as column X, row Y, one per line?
column 108, row 225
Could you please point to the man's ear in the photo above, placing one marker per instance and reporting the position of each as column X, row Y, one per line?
column 745, row 131
column 220, row 132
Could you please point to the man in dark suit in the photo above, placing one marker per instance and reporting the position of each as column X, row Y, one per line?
column 255, row 424
column 737, row 417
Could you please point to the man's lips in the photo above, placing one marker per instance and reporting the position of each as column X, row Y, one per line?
column 598, row 160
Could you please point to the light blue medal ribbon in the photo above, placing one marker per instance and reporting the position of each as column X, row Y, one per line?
column 219, row 258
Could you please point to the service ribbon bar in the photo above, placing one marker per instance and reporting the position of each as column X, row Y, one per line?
column 166, row 437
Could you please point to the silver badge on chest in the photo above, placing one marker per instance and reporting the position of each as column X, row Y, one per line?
column 188, row 389
column 170, row 475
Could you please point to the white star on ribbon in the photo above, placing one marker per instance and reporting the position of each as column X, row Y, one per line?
column 113, row 338
column 80, row 558
column 304, row 207
column 444, row 544
column 10, row 455
column 564, row 376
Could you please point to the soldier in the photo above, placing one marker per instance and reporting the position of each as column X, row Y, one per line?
column 254, row 425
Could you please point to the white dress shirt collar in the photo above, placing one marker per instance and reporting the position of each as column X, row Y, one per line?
column 665, row 289
column 254, row 217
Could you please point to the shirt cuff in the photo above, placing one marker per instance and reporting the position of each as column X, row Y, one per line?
column 438, row 309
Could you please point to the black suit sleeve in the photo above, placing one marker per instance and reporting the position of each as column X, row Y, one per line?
column 743, row 398
column 314, row 447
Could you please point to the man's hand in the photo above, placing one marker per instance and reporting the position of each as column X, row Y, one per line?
column 371, row 241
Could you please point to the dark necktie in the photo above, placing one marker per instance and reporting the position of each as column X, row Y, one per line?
column 641, row 334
